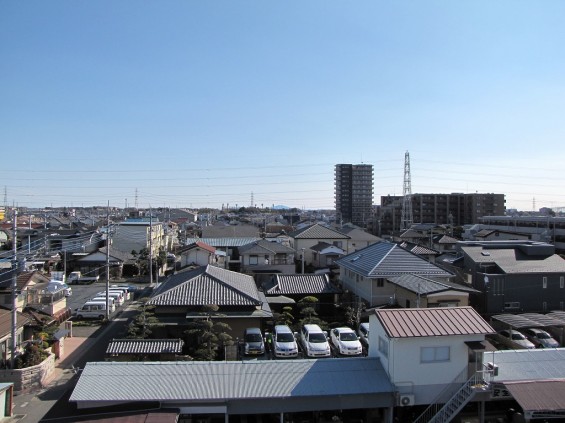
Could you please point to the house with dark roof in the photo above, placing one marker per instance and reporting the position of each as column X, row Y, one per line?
column 94, row 264
column 298, row 286
column 304, row 239
column 360, row 238
column 420, row 250
column 365, row 272
column 184, row 296
column 515, row 276
column 499, row 235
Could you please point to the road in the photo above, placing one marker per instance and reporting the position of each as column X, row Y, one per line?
column 51, row 404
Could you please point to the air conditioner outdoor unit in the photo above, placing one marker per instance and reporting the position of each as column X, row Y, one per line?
column 405, row 400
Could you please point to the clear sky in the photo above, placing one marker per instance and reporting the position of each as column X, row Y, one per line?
column 204, row 103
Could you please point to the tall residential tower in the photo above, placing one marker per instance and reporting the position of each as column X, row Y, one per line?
column 354, row 193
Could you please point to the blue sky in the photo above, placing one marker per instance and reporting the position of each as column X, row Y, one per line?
column 202, row 103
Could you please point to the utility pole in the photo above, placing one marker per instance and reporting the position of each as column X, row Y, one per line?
column 14, row 290
column 108, row 262
column 303, row 249
column 150, row 247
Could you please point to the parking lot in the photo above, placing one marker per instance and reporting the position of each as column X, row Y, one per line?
column 82, row 293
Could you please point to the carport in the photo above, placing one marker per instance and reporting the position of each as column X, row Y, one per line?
column 555, row 319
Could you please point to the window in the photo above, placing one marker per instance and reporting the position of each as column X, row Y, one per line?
column 338, row 244
column 544, row 282
column 383, row 346
column 561, row 281
column 253, row 260
column 380, row 282
column 434, row 354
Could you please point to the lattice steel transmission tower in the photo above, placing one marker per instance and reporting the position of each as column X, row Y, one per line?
column 407, row 217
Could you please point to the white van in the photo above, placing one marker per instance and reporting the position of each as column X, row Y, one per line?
column 99, row 299
column 117, row 296
column 92, row 310
column 314, row 341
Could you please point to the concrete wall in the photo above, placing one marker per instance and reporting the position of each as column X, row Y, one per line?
column 30, row 377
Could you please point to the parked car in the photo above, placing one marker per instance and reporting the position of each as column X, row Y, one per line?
column 253, row 342
column 314, row 341
column 346, row 341
column 540, row 338
column 514, row 339
column 363, row 332
column 91, row 310
column 284, row 343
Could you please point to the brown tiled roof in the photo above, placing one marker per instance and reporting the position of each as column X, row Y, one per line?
column 441, row 321
column 6, row 321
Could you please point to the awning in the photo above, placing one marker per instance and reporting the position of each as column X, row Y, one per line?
column 480, row 346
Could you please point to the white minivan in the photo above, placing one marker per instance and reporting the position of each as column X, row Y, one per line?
column 92, row 310
column 314, row 341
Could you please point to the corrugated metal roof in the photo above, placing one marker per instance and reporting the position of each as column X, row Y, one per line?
column 385, row 259
column 302, row 284
column 224, row 242
column 317, row 231
column 547, row 395
column 529, row 320
column 220, row 381
column 145, row 346
column 441, row 321
column 207, row 285
column 528, row 365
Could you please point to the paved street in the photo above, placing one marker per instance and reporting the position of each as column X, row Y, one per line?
column 51, row 404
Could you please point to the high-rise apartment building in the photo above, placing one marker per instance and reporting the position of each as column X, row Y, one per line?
column 354, row 193
column 442, row 209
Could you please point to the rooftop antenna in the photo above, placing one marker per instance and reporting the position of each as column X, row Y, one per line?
column 407, row 217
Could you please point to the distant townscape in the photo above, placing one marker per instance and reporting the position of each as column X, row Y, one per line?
column 428, row 307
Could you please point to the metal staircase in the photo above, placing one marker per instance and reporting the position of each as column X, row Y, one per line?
column 440, row 412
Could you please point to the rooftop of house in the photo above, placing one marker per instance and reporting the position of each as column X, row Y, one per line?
column 440, row 321
column 300, row 284
column 385, row 259
column 207, row 285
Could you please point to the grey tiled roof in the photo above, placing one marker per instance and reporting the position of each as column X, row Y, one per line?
column 385, row 259
column 510, row 260
column 420, row 250
column 440, row 321
column 145, row 346
column 302, row 284
column 265, row 247
column 207, row 285
column 422, row 285
column 317, row 231
column 212, row 381
column 224, row 242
